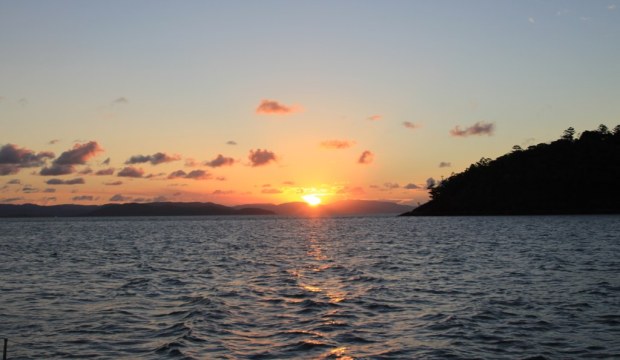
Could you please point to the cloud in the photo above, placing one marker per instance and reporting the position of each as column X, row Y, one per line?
column 611, row 7
column 86, row 171
column 390, row 185
column 355, row 191
column 119, row 198
column 29, row 189
column 15, row 157
column 8, row 169
column 531, row 20
column 106, row 162
column 479, row 128
column 113, row 183
column 79, row 154
column 56, row 170
column 189, row 162
column 260, row 157
column 53, row 141
column 288, row 182
column 271, row 191
column 375, row 117
column 49, row 190
column 444, row 164
column 410, row 125
column 366, row 158
column 75, row 181
column 430, row 182
column 220, row 160
column 8, row 200
column 131, row 171
column 267, row 107
column 231, row 142
column 83, row 198
column 194, row 175
column 14, row 182
column 155, row 159
column 103, row 172
column 222, row 192
column 337, row 144
column 120, row 100
column 411, row 186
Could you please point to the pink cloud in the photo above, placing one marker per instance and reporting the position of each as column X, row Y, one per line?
column 79, row 154
column 131, row 171
column 219, row 161
column 366, row 158
column 479, row 128
column 261, row 157
column 194, row 175
column 103, row 172
column 12, row 158
column 267, row 107
column 337, row 144
column 375, row 117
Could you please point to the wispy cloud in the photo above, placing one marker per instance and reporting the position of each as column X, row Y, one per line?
column 269, row 107
column 231, row 142
column 375, row 117
column 155, row 159
column 611, row 7
column 120, row 101
column 113, row 183
column 479, row 128
column 10, row 200
column 531, row 20
column 391, row 185
column 222, row 192
column 410, row 125
column 337, row 144
column 76, row 181
column 14, row 182
column 366, row 158
column 194, row 175
column 444, row 164
column 219, row 161
column 53, row 141
column 260, row 157
column 131, row 171
column 106, row 162
column 271, row 191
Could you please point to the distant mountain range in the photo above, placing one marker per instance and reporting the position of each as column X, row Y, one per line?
column 567, row 176
column 349, row 207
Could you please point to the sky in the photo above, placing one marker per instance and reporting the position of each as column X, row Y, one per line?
column 239, row 102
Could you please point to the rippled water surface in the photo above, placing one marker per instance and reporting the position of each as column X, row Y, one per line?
column 333, row 288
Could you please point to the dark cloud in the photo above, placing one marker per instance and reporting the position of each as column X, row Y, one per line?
column 131, row 171
column 75, row 181
column 390, row 185
column 14, row 182
column 83, row 198
column 8, row 169
column 366, row 158
column 56, row 170
column 444, row 164
column 29, row 189
column 274, row 107
column 8, row 200
column 155, row 159
column 411, row 186
column 194, row 175
column 103, row 172
column 49, row 190
column 271, row 191
column 479, row 128
column 231, row 142
column 53, row 141
column 337, row 144
column 113, row 183
column 79, row 154
column 13, row 156
column 86, row 171
column 220, row 160
column 410, row 125
column 106, row 162
column 119, row 198
column 261, row 157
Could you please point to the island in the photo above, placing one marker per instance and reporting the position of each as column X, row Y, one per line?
column 571, row 175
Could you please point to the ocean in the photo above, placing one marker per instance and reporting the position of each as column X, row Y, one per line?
column 311, row 288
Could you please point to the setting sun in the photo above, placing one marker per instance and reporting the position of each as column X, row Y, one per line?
column 312, row 199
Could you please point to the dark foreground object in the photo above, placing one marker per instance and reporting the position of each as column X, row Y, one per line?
column 567, row 176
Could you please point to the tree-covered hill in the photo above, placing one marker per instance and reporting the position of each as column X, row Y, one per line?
column 567, row 176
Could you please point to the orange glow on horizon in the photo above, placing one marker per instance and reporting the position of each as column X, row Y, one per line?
column 312, row 199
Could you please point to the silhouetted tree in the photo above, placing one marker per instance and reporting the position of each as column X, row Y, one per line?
column 569, row 134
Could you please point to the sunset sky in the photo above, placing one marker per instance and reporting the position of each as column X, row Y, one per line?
column 266, row 101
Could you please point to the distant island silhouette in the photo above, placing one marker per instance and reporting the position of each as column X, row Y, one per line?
column 567, row 176
column 345, row 207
